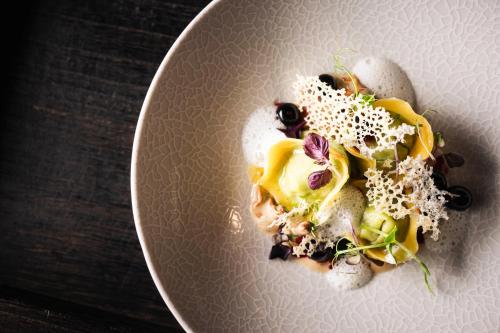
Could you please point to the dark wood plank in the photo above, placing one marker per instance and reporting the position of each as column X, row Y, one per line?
column 24, row 312
column 76, row 79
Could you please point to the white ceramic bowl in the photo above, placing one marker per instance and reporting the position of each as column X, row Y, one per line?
column 190, row 190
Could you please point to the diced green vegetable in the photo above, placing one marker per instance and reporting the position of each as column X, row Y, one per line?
column 375, row 220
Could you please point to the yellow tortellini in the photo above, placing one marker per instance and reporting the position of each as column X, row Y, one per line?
column 406, row 234
column 288, row 168
column 421, row 143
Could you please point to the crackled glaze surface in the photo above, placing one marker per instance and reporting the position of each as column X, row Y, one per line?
column 190, row 189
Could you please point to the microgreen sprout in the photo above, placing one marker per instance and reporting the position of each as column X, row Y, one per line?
column 349, row 245
column 417, row 126
column 339, row 66
column 368, row 99
column 428, row 111
column 389, row 242
column 439, row 139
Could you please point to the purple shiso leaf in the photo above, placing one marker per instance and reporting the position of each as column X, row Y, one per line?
column 317, row 148
column 454, row 160
column 318, row 179
column 446, row 161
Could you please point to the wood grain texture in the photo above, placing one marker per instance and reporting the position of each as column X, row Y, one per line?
column 76, row 79
column 21, row 311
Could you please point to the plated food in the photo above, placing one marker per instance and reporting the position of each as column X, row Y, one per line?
column 348, row 178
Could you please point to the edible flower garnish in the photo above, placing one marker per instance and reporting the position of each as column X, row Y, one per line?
column 318, row 179
column 318, row 148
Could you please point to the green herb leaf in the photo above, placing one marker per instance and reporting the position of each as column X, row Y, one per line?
column 426, row 272
column 391, row 236
column 438, row 136
column 368, row 99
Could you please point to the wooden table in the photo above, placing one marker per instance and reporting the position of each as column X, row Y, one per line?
column 76, row 75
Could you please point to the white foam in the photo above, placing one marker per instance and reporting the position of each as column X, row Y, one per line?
column 385, row 79
column 344, row 276
column 343, row 211
column 259, row 134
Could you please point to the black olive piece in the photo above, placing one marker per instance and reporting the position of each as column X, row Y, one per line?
column 328, row 80
column 280, row 251
column 323, row 255
column 288, row 114
column 439, row 180
column 460, row 200
column 454, row 160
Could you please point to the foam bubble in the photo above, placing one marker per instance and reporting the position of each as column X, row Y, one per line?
column 344, row 276
column 259, row 134
column 385, row 79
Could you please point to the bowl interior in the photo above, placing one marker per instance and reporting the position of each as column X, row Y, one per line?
column 189, row 181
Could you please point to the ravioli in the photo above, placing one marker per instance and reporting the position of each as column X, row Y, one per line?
column 424, row 140
column 287, row 170
column 406, row 234
column 337, row 130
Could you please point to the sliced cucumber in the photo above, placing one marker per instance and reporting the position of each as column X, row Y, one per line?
column 376, row 220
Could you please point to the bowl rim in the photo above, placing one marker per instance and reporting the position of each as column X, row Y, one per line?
column 134, row 161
